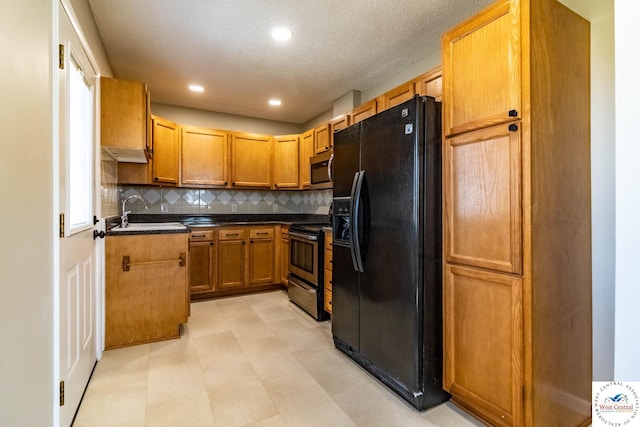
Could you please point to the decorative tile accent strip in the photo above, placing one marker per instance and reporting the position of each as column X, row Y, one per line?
column 209, row 201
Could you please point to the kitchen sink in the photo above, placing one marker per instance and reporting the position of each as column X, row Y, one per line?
column 149, row 226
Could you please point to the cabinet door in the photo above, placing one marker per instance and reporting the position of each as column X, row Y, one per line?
column 286, row 171
column 251, row 160
column 262, row 257
column 165, row 164
column 341, row 122
column 482, row 180
column 430, row 84
column 203, row 154
column 322, row 138
column 231, row 263
column 483, row 342
column 307, row 150
column 399, row 95
column 482, row 69
column 148, row 300
column 123, row 114
column 284, row 255
column 364, row 111
column 202, row 255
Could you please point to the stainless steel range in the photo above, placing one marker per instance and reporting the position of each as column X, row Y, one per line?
column 306, row 261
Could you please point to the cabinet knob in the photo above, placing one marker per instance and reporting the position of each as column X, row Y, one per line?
column 513, row 127
column 155, row 179
column 513, row 113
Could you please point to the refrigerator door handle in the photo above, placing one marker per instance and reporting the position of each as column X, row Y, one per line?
column 354, row 211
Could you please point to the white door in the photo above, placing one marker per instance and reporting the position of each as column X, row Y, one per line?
column 77, row 251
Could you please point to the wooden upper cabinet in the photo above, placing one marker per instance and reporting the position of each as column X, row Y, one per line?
column 251, row 160
column 322, row 138
column 430, row 84
column 166, row 155
column 307, row 149
column 364, row 111
column 124, row 117
column 482, row 182
column 204, row 157
column 338, row 123
column 286, row 171
column 398, row 95
column 479, row 92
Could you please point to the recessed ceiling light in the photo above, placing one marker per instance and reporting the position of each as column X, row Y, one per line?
column 275, row 102
column 281, row 34
column 196, row 88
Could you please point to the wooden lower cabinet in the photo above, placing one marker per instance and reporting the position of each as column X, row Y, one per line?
column 261, row 262
column 284, row 255
column 246, row 257
column 202, row 260
column 328, row 271
column 231, row 258
column 146, row 295
column 483, row 360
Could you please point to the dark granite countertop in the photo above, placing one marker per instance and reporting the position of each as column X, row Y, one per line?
column 197, row 221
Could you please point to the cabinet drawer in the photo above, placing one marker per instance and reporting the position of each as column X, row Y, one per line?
column 261, row 233
column 284, row 232
column 201, row 236
column 233, row 234
column 328, row 279
column 328, row 301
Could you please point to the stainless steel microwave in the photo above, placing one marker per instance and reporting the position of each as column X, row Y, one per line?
column 321, row 172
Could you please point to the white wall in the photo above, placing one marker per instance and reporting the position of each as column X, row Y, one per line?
column 26, row 268
column 627, row 70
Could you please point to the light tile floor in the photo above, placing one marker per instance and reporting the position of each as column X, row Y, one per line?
column 254, row 360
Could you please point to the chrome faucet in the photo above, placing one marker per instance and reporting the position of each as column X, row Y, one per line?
column 125, row 214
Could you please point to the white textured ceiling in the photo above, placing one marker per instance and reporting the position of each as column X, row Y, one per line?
column 225, row 46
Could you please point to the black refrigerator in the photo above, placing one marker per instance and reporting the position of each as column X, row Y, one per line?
column 387, row 296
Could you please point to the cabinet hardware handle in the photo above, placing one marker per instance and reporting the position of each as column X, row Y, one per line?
column 211, row 244
column 155, row 179
column 262, row 233
column 513, row 127
column 197, row 235
column 225, row 183
column 513, row 113
column 252, row 242
column 127, row 264
column 232, row 234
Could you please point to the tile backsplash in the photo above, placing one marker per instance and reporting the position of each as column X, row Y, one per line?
column 213, row 201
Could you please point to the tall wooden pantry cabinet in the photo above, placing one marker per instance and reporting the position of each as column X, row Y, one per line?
column 517, row 215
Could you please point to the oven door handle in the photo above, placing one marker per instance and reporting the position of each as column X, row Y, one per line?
column 311, row 237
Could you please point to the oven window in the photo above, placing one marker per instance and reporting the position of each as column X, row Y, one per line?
column 301, row 254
